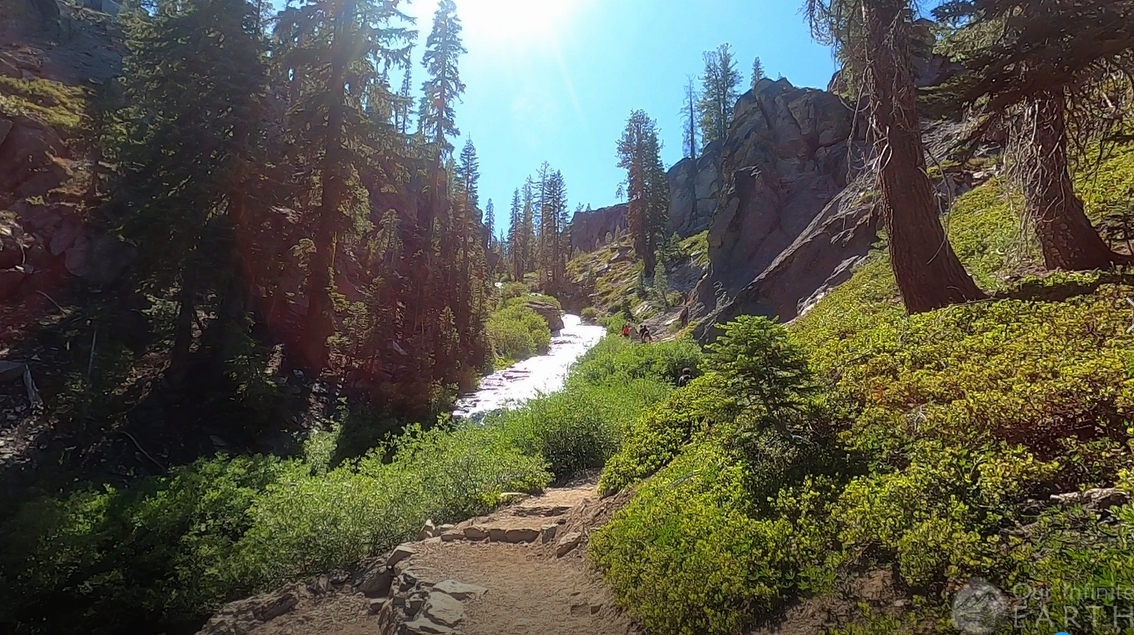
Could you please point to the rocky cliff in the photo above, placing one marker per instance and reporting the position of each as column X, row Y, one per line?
column 694, row 186
column 786, row 223
column 589, row 229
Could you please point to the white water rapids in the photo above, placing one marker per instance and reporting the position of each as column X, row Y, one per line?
column 534, row 376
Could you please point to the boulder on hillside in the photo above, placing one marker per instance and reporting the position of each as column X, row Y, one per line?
column 547, row 311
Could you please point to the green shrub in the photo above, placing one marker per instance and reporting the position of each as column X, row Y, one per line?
column 651, row 441
column 588, row 314
column 684, row 556
column 168, row 551
column 514, row 290
column 517, row 332
column 617, row 359
column 442, row 475
column 163, row 551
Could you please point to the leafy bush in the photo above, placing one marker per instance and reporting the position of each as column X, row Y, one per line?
column 615, row 359
column 588, row 314
column 514, row 290
column 579, row 427
column 651, row 441
column 170, row 550
column 685, row 557
column 517, row 332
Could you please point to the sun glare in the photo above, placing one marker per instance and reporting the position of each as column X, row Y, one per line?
column 513, row 19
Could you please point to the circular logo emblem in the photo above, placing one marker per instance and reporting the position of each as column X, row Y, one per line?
column 978, row 607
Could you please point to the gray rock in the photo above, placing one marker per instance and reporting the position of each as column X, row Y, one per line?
column 376, row 581
column 444, row 609
column 516, row 536
column 401, row 552
column 694, row 185
column 1097, row 499
column 589, row 229
column 460, row 590
column 547, row 533
column 567, row 543
column 422, row 626
column 11, row 371
column 240, row 617
column 475, row 533
column 377, row 604
column 548, row 312
column 785, row 220
column 427, row 531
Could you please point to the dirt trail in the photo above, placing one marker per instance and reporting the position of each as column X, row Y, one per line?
column 539, row 586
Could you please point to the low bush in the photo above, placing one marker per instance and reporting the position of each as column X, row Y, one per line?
column 513, row 290
column 651, row 441
column 588, row 314
column 686, row 557
column 517, row 332
column 618, row 359
column 170, row 550
column 579, row 427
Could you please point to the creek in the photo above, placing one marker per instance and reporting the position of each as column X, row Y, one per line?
column 543, row 374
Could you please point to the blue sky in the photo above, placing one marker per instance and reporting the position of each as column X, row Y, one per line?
column 555, row 80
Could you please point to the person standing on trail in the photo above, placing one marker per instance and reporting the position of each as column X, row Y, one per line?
column 644, row 334
column 626, row 330
column 685, row 378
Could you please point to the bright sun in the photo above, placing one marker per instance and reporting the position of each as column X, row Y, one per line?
column 513, row 19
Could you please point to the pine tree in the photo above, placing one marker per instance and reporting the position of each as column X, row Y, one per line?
column 528, row 227
column 646, row 187
column 757, row 71
column 1033, row 79
column 333, row 45
column 876, row 34
column 719, row 93
column 195, row 80
column 489, row 224
column 515, row 236
column 405, row 102
column 443, row 88
column 689, row 113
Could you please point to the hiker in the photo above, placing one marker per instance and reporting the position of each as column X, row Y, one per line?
column 685, row 378
column 626, row 330
column 644, row 334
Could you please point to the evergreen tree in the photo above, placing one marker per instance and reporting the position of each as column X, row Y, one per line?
column 405, row 102
column 876, row 35
column 757, row 71
column 528, row 227
column 336, row 46
column 443, row 88
column 515, row 236
column 718, row 94
column 646, row 187
column 689, row 113
column 489, row 224
column 1016, row 67
column 195, row 80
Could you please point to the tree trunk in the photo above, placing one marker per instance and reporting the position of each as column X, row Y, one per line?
column 1066, row 236
column 319, row 324
column 928, row 273
column 183, row 331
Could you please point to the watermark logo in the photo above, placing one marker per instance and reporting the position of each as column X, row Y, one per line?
column 978, row 608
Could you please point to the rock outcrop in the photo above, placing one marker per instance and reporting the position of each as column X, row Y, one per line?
column 694, row 186
column 548, row 312
column 786, row 222
column 589, row 229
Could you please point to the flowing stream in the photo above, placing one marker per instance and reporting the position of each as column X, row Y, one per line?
column 534, row 376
